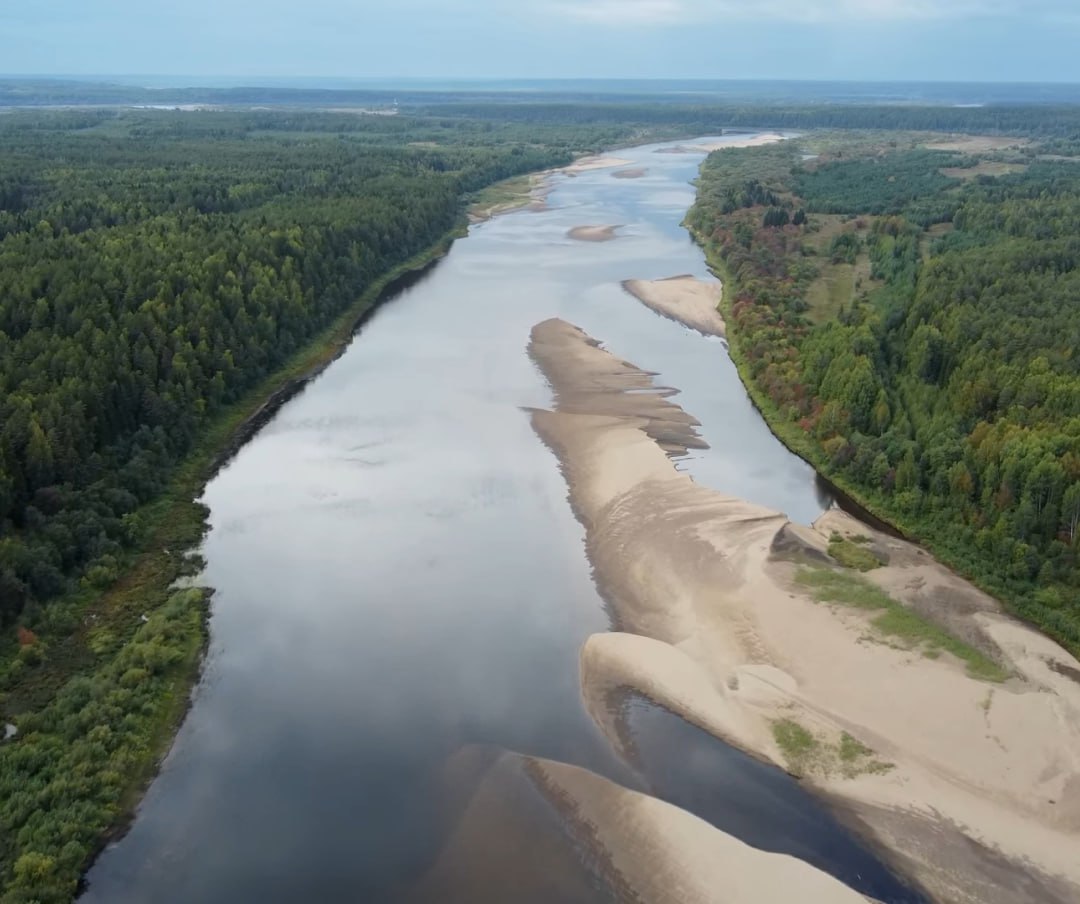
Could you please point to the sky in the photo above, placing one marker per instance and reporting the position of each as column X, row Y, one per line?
column 952, row 40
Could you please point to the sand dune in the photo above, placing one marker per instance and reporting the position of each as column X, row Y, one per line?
column 692, row 302
column 990, row 770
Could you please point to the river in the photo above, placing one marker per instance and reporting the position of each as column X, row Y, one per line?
column 398, row 575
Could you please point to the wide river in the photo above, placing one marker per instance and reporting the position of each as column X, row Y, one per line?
column 399, row 575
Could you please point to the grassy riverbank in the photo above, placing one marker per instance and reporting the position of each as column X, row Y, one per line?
column 98, row 694
column 955, row 426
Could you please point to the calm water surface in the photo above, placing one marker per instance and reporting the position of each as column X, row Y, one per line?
column 399, row 575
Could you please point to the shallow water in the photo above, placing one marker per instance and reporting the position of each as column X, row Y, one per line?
column 399, row 575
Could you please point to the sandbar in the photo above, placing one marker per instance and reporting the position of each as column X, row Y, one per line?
column 692, row 302
column 705, row 147
column 970, row 787
column 593, row 233
column 595, row 162
column 536, row 830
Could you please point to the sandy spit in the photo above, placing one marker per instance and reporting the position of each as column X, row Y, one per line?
column 588, row 164
column 732, row 643
column 593, row 233
column 706, row 147
column 692, row 302
column 567, row 830
column 534, row 199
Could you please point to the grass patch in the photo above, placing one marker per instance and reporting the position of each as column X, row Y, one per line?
column 983, row 168
column 831, row 292
column 504, row 196
column 851, row 749
column 797, row 745
column 896, row 621
column 852, row 555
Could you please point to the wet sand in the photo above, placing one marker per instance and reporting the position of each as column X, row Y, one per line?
column 716, row 629
column 692, row 302
column 580, row 837
column 636, row 173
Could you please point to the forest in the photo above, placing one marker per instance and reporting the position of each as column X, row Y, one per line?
column 914, row 335
column 149, row 279
column 160, row 274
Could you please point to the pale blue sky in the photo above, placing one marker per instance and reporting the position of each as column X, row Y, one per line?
column 980, row 40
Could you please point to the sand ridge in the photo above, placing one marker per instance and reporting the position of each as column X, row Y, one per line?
column 987, row 768
column 690, row 301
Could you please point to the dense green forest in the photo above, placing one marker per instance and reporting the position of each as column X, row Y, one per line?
column 153, row 268
column 915, row 336
column 160, row 273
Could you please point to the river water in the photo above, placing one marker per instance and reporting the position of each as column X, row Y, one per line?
column 399, row 576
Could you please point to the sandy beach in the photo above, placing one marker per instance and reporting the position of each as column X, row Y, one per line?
column 971, row 787
column 692, row 302
column 593, row 233
column 531, row 195
column 596, row 162
column 706, row 147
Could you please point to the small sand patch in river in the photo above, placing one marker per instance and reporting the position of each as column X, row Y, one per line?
column 593, row 233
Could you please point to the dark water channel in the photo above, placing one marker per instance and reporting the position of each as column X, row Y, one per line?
column 399, row 575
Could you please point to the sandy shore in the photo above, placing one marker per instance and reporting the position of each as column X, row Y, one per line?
column 543, row 831
column 972, row 787
column 533, row 196
column 690, row 301
column 593, row 233
column 588, row 164
column 706, row 147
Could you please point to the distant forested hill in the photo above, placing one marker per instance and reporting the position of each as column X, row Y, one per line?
column 910, row 318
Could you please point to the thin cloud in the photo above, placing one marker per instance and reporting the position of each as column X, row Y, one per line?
column 627, row 12
column 688, row 12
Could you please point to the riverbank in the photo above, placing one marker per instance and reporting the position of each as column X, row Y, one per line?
column 103, row 635
column 872, row 687
column 852, row 497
